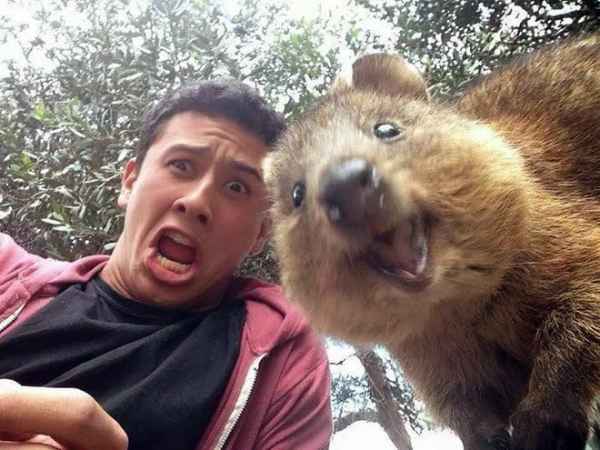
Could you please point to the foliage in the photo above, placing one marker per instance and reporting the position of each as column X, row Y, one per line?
column 455, row 41
column 91, row 68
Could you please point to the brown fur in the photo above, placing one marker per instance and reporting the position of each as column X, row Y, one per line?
column 506, row 330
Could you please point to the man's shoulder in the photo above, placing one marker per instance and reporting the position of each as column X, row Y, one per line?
column 17, row 264
column 35, row 271
column 12, row 254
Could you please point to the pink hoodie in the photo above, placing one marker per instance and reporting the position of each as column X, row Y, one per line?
column 278, row 396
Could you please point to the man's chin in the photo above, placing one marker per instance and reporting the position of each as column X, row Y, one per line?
column 181, row 287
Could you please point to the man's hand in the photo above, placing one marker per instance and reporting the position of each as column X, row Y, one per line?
column 69, row 416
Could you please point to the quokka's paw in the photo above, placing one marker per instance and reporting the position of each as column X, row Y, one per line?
column 534, row 429
column 499, row 441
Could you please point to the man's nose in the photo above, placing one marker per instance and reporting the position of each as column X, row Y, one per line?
column 197, row 202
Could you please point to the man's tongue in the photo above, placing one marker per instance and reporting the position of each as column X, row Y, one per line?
column 175, row 251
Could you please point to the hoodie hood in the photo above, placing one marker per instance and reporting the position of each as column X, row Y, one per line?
column 270, row 320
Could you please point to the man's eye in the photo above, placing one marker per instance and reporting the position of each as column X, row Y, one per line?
column 238, row 187
column 181, row 165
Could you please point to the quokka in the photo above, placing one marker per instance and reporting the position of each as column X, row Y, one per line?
column 464, row 237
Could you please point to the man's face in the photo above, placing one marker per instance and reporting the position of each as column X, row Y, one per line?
column 194, row 210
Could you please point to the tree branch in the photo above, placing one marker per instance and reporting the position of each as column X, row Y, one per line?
column 387, row 407
column 345, row 421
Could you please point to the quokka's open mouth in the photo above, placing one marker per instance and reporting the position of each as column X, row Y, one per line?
column 401, row 253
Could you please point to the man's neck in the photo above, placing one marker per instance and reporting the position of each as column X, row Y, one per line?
column 208, row 299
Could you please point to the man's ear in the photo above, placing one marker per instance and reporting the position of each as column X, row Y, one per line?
column 263, row 236
column 130, row 173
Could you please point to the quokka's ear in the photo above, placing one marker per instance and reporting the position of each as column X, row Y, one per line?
column 386, row 74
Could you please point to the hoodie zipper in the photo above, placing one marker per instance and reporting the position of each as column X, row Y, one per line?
column 10, row 319
column 241, row 402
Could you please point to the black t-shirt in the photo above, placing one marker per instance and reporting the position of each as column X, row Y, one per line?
column 159, row 372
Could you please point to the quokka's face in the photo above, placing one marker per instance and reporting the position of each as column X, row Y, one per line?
column 384, row 206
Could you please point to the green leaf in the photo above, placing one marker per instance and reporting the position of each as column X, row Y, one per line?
column 5, row 213
column 63, row 229
column 50, row 221
column 39, row 111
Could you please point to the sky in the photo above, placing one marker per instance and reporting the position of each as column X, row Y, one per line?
column 369, row 435
column 304, row 8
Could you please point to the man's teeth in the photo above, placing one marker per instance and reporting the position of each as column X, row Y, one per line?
column 171, row 265
column 179, row 238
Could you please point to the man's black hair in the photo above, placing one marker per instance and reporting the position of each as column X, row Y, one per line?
column 230, row 99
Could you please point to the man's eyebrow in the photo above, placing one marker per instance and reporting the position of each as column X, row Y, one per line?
column 234, row 163
column 243, row 167
column 188, row 148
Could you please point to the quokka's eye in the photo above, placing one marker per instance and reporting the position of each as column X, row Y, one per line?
column 298, row 192
column 388, row 131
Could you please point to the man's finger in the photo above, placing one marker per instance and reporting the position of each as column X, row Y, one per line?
column 70, row 416
column 25, row 446
column 12, row 436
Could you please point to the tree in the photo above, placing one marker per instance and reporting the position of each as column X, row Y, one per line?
column 72, row 120
column 379, row 395
column 388, row 413
column 456, row 41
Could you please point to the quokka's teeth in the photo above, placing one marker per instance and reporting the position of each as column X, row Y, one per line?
column 173, row 266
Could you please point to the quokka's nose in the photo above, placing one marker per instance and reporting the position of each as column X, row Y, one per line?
column 347, row 190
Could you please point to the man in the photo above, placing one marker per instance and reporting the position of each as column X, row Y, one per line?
column 159, row 344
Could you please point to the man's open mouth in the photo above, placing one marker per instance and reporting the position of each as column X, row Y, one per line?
column 176, row 252
column 401, row 253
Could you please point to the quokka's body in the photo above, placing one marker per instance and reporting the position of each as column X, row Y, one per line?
column 464, row 237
